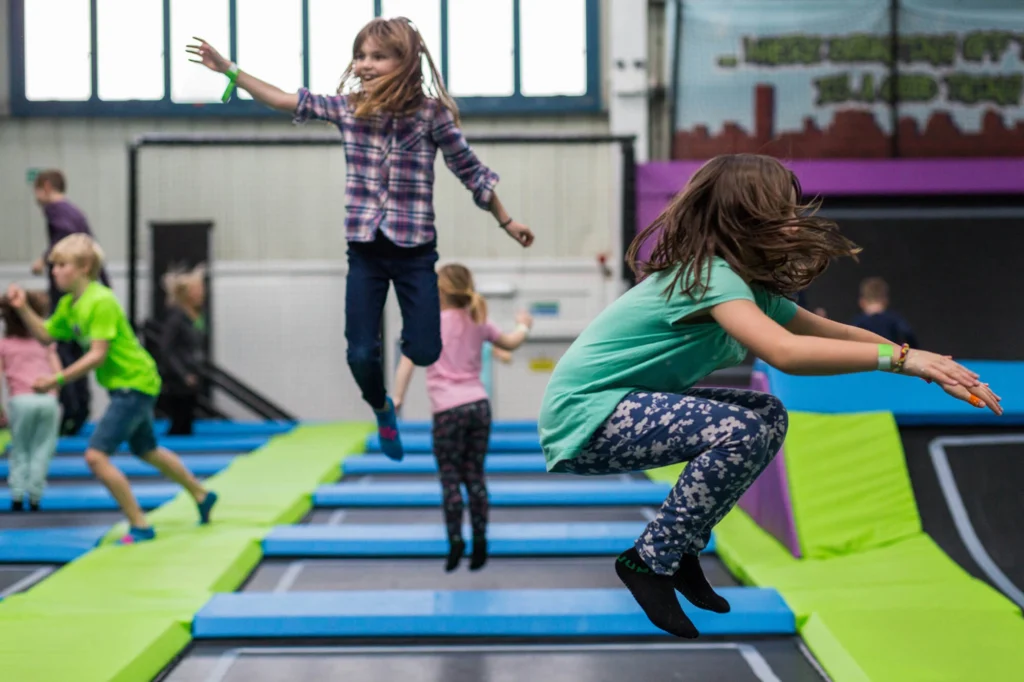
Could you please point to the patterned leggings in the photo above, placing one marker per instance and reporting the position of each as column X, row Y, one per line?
column 727, row 437
column 461, row 435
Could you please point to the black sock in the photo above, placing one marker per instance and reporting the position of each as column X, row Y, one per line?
column 692, row 584
column 479, row 556
column 17, row 505
column 456, row 548
column 655, row 595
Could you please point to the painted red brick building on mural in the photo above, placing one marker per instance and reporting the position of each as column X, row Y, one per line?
column 853, row 133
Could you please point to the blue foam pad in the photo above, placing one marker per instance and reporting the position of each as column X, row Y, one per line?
column 216, row 427
column 911, row 401
column 48, row 545
column 528, row 426
column 502, row 494
column 426, row 464
column 94, row 497
column 500, row 442
column 76, row 445
column 75, row 467
column 503, row 539
column 499, row 613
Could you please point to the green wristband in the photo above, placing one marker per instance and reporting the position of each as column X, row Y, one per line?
column 232, row 75
column 885, row 354
column 60, row 379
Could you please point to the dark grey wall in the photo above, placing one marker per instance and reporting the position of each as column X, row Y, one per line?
column 955, row 273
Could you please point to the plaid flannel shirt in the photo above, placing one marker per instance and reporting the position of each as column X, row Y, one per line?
column 390, row 167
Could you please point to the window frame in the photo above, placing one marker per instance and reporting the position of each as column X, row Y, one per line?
column 513, row 105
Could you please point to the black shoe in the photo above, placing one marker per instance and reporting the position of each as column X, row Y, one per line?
column 17, row 505
column 479, row 556
column 456, row 548
column 33, row 505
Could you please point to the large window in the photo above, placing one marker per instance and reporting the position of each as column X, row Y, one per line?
column 127, row 57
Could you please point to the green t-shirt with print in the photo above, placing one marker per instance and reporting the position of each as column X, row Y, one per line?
column 97, row 316
column 640, row 343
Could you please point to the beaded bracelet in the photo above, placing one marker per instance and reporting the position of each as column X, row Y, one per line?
column 897, row 364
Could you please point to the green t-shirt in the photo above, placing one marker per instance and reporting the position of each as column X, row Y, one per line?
column 638, row 343
column 97, row 316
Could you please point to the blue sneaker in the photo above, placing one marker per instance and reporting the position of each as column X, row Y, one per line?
column 387, row 431
column 206, row 506
column 137, row 535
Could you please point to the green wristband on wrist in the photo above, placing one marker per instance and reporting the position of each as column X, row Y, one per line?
column 232, row 74
column 885, row 354
column 60, row 379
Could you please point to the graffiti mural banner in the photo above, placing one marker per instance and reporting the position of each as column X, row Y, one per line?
column 807, row 79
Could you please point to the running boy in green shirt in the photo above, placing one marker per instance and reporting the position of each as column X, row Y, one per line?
column 90, row 314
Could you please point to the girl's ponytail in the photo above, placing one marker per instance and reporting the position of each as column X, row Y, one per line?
column 477, row 307
column 456, row 283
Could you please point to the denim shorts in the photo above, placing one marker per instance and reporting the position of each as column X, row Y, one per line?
column 129, row 417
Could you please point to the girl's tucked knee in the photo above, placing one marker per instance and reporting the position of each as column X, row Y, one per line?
column 423, row 354
column 775, row 413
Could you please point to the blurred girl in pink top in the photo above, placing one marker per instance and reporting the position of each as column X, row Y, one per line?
column 34, row 417
column 458, row 400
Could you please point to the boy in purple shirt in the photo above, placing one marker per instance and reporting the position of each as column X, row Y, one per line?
column 62, row 219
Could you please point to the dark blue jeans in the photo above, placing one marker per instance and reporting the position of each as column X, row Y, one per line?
column 370, row 274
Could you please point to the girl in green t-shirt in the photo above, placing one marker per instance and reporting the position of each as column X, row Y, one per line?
column 729, row 250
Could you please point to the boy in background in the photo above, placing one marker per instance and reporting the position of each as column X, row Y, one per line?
column 876, row 317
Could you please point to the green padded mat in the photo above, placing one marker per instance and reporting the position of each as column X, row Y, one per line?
column 876, row 600
column 863, row 627
column 848, row 483
column 123, row 613
column 904, row 645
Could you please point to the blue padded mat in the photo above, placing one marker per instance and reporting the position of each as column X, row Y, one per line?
column 502, row 494
column 94, row 497
column 215, row 427
column 48, row 545
column 76, row 445
column 500, row 442
column 426, row 464
column 499, row 613
column 503, row 539
column 912, row 401
column 526, row 426
column 75, row 467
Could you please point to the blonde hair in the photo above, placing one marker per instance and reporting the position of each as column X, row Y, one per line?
column 80, row 249
column 455, row 282
column 401, row 91
column 176, row 282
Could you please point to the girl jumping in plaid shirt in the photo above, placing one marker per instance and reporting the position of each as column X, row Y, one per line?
column 392, row 124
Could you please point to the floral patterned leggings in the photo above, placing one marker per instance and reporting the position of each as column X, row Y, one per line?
column 726, row 436
column 461, row 436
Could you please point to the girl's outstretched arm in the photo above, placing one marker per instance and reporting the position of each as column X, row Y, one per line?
column 509, row 342
column 521, row 233
column 810, row 355
column 474, row 175
column 806, row 323
column 265, row 93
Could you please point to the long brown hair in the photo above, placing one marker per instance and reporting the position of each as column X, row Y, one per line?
column 456, row 284
column 39, row 301
column 401, row 91
column 744, row 208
